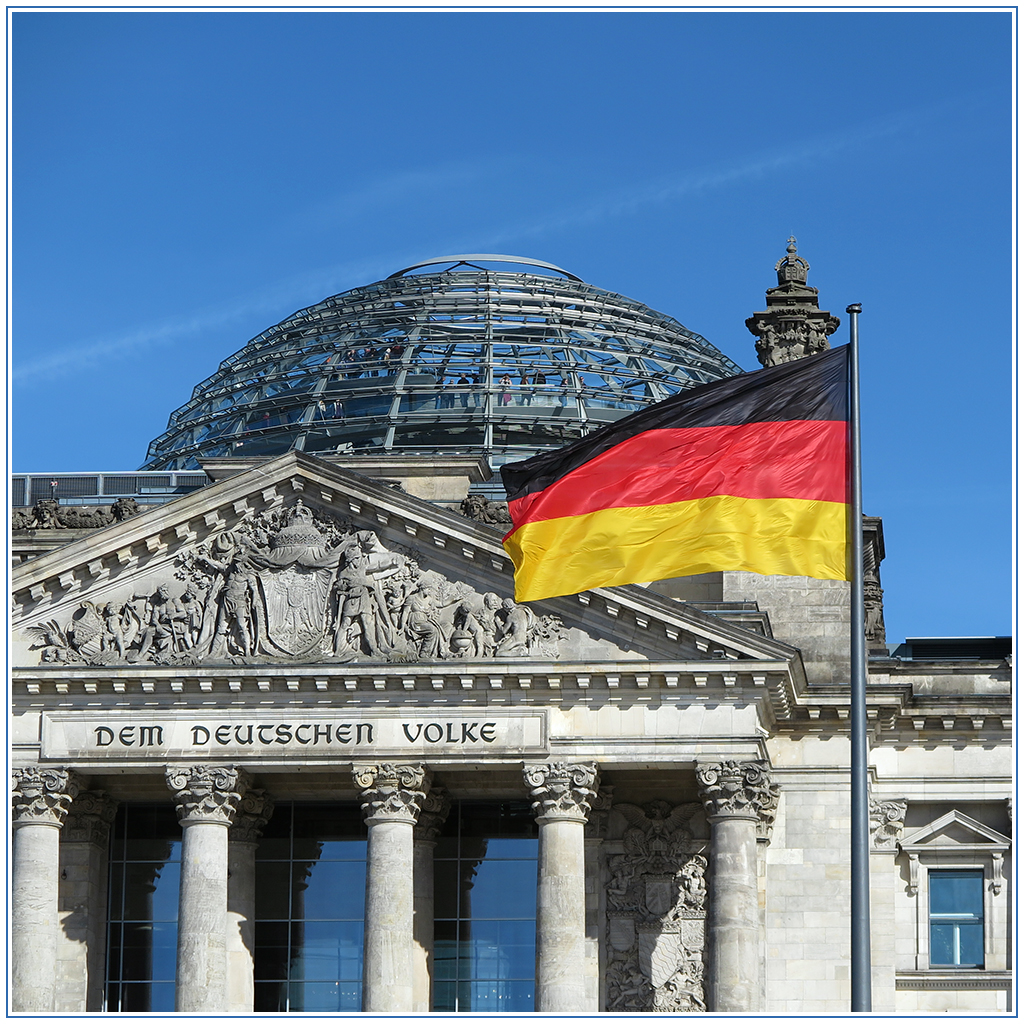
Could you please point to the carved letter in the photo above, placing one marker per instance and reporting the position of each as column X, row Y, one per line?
column 151, row 735
column 426, row 732
column 298, row 729
column 284, row 734
column 223, row 735
column 104, row 736
column 126, row 741
column 467, row 731
column 485, row 728
column 412, row 738
column 359, row 732
column 196, row 730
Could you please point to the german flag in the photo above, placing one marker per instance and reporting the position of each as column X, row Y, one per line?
column 744, row 473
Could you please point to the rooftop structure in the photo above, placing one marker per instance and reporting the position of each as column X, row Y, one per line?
column 500, row 356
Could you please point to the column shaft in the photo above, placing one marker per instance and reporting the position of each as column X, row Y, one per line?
column 561, row 917
column 388, row 927
column 202, row 906
column 733, row 916
column 562, row 797
column 35, row 868
column 423, row 925
column 241, row 926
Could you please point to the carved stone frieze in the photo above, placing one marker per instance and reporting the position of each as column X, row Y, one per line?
column 254, row 810
column 207, row 793
column 42, row 796
column 887, row 817
column 739, row 789
column 656, row 906
column 562, row 790
column 433, row 814
column 391, row 792
column 49, row 514
column 481, row 510
column 89, row 818
column 293, row 585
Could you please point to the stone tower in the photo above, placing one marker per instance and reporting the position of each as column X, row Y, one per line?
column 792, row 326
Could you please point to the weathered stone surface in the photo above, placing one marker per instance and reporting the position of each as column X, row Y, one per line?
column 792, row 326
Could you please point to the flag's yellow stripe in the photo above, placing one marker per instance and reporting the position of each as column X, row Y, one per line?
column 772, row 536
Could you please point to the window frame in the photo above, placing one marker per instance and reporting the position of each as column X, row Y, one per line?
column 955, row 920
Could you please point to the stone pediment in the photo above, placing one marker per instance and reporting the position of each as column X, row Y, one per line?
column 954, row 831
column 299, row 561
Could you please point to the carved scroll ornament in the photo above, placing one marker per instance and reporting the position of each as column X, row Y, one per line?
column 42, row 796
column 89, row 818
column 207, row 793
column 391, row 792
column 562, row 790
column 738, row 789
column 254, row 810
column 887, row 823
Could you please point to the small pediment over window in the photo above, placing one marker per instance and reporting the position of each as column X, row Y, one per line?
column 954, row 831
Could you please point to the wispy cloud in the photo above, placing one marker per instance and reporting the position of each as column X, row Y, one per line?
column 300, row 290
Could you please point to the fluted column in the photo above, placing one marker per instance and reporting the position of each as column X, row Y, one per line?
column 253, row 813
column 392, row 795
column 41, row 798
column 82, row 903
column 562, row 797
column 432, row 817
column 206, row 797
column 736, row 796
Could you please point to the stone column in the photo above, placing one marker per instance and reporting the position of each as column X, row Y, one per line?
column 562, row 796
column 82, row 903
column 735, row 796
column 253, row 813
column 41, row 798
column 392, row 795
column 206, row 797
column 431, row 818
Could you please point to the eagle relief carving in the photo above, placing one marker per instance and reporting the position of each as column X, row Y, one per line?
column 656, row 898
column 293, row 585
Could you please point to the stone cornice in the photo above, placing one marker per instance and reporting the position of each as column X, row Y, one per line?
column 966, row 980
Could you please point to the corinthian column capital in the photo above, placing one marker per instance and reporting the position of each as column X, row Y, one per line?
column 391, row 792
column 42, row 796
column 254, row 811
column 90, row 817
column 561, row 790
column 207, row 793
column 433, row 814
column 738, row 789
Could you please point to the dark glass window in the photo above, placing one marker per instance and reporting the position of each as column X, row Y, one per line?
column 485, row 908
column 956, row 909
column 145, row 858
column 310, row 891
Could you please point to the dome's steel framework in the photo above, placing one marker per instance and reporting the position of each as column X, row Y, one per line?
column 461, row 359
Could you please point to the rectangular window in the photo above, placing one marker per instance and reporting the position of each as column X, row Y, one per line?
column 956, row 918
column 310, row 890
column 145, row 858
column 485, row 908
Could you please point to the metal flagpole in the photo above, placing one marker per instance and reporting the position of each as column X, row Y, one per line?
column 860, row 882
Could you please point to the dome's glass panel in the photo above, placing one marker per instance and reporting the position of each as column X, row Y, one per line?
column 466, row 359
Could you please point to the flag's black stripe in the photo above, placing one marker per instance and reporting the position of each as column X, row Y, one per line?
column 813, row 388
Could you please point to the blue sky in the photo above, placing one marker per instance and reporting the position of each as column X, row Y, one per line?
column 181, row 181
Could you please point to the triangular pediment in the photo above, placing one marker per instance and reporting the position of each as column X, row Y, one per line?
column 301, row 561
column 954, row 830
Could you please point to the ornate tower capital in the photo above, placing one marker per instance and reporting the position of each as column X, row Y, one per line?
column 791, row 326
column 433, row 814
column 887, row 818
column 562, row 791
column 42, row 796
column 391, row 792
column 738, row 789
column 207, row 793
column 90, row 817
column 251, row 817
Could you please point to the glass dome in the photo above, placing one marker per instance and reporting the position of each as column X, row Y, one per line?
column 497, row 355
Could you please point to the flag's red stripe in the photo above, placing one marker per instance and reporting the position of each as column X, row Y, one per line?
column 786, row 459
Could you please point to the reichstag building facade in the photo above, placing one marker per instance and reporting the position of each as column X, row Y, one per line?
column 284, row 742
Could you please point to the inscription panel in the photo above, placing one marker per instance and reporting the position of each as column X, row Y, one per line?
column 304, row 734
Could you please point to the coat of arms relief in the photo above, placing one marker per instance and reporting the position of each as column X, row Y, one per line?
column 656, row 908
column 292, row 584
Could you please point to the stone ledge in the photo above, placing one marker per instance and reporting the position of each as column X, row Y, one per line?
column 967, row 978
